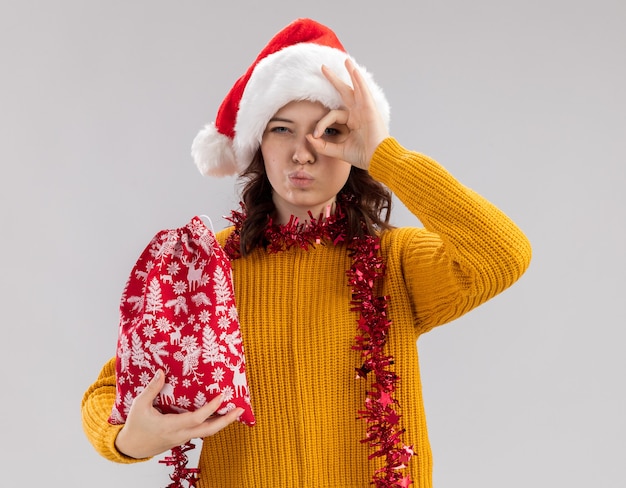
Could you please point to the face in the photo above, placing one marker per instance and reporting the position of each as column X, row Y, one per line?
column 302, row 179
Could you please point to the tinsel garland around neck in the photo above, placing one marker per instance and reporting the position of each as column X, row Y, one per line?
column 383, row 433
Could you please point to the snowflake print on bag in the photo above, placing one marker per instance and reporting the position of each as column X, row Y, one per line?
column 178, row 314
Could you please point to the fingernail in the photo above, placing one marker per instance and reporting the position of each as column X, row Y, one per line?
column 157, row 375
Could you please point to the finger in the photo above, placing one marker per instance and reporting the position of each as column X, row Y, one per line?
column 215, row 424
column 202, row 422
column 207, row 410
column 152, row 389
column 360, row 88
column 325, row 147
column 332, row 117
column 345, row 90
column 355, row 77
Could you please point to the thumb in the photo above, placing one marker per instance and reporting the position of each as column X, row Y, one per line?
column 152, row 389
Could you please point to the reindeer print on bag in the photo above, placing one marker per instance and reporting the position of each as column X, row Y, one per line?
column 178, row 314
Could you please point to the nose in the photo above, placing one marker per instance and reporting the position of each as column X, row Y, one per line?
column 303, row 153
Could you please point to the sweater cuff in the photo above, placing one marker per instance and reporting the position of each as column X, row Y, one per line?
column 109, row 445
column 384, row 158
column 392, row 162
column 105, row 435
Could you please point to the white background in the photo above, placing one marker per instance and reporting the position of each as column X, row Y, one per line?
column 523, row 101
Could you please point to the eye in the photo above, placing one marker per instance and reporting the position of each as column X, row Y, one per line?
column 279, row 130
column 336, row 133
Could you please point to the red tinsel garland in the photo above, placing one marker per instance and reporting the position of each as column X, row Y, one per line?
column 181, row 473
column 383, row 433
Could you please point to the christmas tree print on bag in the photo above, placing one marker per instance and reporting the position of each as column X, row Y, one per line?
column 178, row 314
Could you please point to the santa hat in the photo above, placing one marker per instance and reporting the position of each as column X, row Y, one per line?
column 287, row 69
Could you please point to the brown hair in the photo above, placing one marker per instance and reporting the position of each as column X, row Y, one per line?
column 365, row 202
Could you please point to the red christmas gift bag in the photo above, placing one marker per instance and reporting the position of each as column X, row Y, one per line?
column 178, row 314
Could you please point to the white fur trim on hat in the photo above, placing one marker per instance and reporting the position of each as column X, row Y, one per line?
column 213, row 152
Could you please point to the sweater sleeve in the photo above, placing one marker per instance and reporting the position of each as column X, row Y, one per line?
column 468, row 250
column 95, row 410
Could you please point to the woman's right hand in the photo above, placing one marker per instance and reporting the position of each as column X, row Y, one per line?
column 360, row 115
column 148, row 432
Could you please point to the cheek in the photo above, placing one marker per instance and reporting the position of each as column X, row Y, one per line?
column 272, row 157
column 272, row 148
column 269, row 159
column 273, row 172
column 341, row 174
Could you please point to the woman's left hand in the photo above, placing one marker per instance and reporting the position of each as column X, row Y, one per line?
column 360, row 115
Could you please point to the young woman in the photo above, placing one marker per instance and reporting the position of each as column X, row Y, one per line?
column 331, row 298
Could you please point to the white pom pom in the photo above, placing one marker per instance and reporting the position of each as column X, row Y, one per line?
column 213, row 152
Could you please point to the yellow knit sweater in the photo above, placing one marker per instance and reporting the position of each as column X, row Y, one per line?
column 298, row 332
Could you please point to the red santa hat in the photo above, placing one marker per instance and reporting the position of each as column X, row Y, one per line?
column 287, row 69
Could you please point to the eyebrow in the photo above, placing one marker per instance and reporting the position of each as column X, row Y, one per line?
column 280, row 119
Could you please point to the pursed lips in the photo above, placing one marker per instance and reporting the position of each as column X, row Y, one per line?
column 301, row 178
